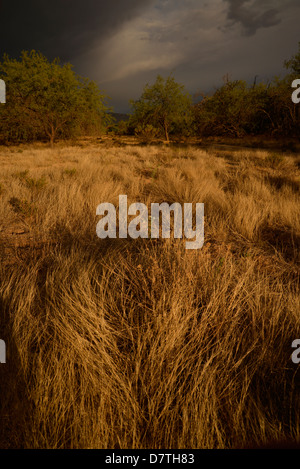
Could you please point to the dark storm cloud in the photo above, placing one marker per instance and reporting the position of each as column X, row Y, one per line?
column 63, row 28
column 253, row 15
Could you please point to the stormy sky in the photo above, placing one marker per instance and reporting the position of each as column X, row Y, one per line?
column 124, row 44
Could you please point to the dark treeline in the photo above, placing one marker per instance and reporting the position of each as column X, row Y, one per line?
column 48, row 101
column 236, row 109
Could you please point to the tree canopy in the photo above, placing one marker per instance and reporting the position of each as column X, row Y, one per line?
column 237, row 108
column 293, row 65
column 165, row 106
column 47, row 100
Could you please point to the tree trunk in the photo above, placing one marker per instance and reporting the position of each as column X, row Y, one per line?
column 166, row 131
column 52, row 136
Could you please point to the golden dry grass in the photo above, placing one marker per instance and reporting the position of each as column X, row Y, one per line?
column 141, row 343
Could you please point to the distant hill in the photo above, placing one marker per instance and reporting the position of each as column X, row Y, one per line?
column 120, row 117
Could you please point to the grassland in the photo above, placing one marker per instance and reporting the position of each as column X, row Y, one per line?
column 141, row 343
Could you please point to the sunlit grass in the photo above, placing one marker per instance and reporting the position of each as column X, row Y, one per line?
column 141, row 343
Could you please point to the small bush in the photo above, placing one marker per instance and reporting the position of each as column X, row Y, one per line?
column 147, row 132
column 70, row 172
column 275, row 160
column 22, row 207
column 36, row 184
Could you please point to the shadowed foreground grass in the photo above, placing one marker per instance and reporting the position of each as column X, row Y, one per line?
column 141, row 343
